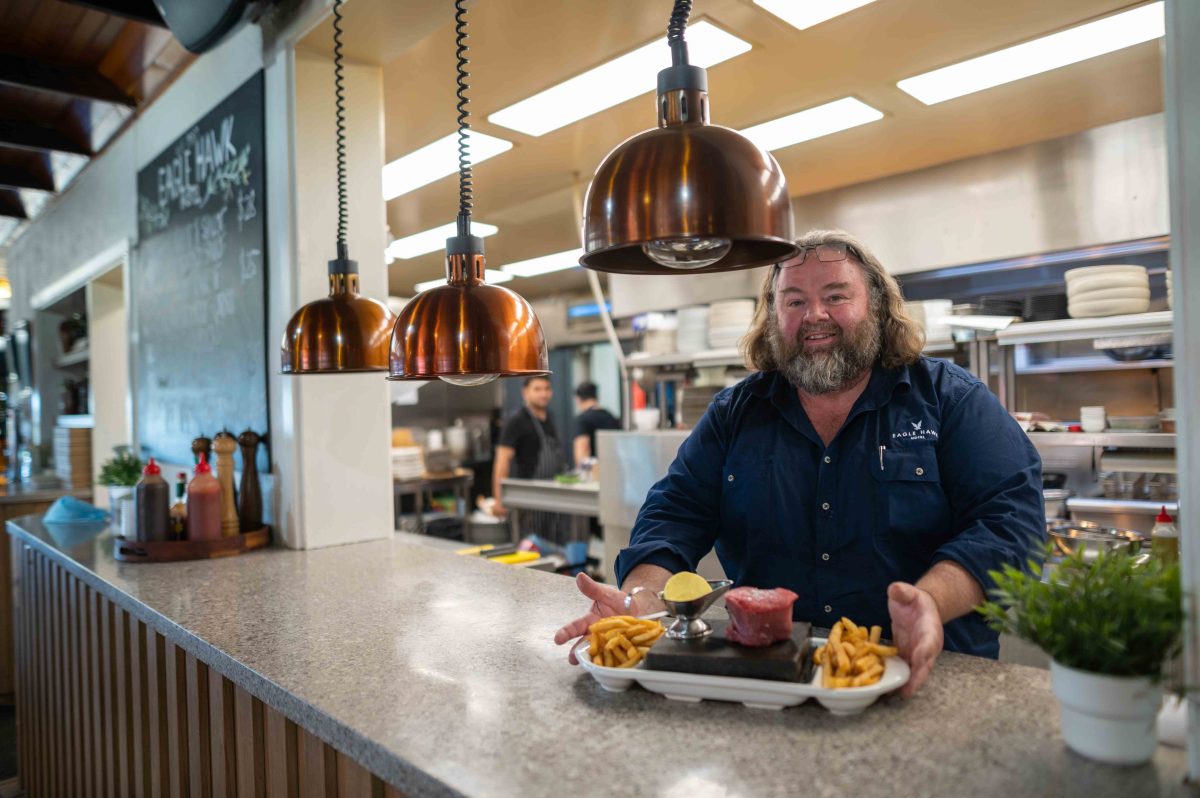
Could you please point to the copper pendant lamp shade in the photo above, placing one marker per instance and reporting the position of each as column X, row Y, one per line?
column 344, row 332
column 688, row 197
column 467, row 332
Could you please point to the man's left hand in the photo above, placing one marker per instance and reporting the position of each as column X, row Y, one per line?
column 916, row 630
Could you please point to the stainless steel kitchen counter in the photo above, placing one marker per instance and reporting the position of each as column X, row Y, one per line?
column 438, row 673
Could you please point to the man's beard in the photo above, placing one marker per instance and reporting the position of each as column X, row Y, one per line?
column 818, row 371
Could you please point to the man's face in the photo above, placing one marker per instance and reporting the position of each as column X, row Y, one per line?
column 538, row 394
column 826, row 332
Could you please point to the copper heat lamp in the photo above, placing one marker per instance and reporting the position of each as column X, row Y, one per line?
column 466, row 332
column 687, row 196
column 344, row 332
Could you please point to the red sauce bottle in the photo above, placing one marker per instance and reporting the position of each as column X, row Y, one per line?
column 204, row 504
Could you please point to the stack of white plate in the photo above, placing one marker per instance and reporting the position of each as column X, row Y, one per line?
column 407, row 462
column 728, row 321
column 658, row 342
column 1107, row 291
column 1170, row 297
column 692, row 333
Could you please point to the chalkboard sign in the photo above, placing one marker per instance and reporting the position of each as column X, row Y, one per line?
column 199, row 283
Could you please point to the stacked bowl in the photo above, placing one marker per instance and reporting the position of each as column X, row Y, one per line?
column 728, row 321
column 1094, row 291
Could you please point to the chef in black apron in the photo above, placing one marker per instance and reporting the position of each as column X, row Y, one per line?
column 529, row 449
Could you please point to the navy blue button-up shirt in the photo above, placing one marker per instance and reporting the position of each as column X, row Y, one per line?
column 927, row 467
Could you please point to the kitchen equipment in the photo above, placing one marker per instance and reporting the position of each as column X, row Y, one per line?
column 1052, row 480
column 1000, row 306
column 1134, row 423
column 688, row 624
column 753, row 693
column 1092, row 419
column 646, row 419
column 1045, row 307
column 1092, row 539
column 1055, row 502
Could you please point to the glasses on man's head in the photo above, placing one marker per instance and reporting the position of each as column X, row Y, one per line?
column 826, row 253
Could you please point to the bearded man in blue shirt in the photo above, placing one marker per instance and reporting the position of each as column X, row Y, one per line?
column 877, row 484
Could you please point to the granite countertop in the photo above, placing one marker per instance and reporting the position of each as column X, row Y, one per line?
column 438, row 672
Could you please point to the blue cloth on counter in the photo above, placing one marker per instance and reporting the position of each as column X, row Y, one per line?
column 69, row 510
column 927, row 467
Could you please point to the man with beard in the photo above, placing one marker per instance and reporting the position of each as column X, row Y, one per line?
column 877, row 484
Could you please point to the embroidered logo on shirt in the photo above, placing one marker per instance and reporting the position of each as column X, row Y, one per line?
column 917, row 433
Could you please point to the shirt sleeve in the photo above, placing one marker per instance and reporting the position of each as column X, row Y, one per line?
column 583, row 425
column 995, row 490
column 513, row 431
column 678, row 522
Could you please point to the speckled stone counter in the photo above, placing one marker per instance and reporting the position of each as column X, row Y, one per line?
column 438, row 673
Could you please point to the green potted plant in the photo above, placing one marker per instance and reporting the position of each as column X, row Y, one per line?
column 120, row 473
column 1110, row 624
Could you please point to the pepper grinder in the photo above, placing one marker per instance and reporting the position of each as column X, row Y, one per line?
column 250, row 495
column 224, row 445
column 201, row 446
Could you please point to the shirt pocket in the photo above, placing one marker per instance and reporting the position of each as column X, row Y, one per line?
column 912, row 514
column 748, row 506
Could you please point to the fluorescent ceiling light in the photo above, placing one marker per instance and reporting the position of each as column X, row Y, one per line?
column 545, row 264
column 614, row 82
column 806, row 13
column 434, row 161
column 1080, row 43
column 433, row 240
column 812, row 123
column 491, row 275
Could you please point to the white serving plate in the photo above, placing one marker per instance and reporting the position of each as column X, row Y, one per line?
column 1082, row 285
column 1097, row 294
column 1107, row 307
column 1091, row 271
column 754, row 693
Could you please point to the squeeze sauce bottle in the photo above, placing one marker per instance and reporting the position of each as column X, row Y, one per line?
column 204, row 504
column 1164, row 538
column 152, row 498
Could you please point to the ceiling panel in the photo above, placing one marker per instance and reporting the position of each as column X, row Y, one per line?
column 519, row 47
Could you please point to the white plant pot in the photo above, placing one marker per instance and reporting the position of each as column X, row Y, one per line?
column 1107, row 718
column 118, row 495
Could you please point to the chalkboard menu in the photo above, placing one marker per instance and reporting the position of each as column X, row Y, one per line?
column 199, row 282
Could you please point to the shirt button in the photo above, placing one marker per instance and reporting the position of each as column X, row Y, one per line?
column 920, row 471
column 825, row 506
column 825, row 556
column 828, row 608
column 731, row 477
column 828, row 459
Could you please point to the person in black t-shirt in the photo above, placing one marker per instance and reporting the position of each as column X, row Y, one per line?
column 528, row 447
column 591, row 418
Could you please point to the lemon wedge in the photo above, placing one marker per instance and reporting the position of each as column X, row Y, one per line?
column 686, row 586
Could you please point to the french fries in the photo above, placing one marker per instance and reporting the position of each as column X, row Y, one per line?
column 852, row 656
column 622, row 640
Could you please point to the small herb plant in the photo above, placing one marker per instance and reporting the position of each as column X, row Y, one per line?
column 1108, row 615
column 123, row 469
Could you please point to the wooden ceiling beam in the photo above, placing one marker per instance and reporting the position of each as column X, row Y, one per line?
column 30, row 136
column 11, row 205
column 14, row 176
column 85, row 84
column 143, row 11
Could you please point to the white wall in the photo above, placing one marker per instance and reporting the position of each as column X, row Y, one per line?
column 108, row 372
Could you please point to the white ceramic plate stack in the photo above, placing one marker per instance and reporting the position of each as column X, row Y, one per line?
column 1094, row 291
column 658, row 342
column 1170, row 298
column 728, row 321
column 692, row 334
column 407, row 462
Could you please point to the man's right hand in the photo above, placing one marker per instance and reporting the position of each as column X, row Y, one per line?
column 606, row 600
column 498, row 509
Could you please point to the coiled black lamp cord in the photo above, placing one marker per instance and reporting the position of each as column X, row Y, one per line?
column 465, row 195
column 339, row 91
column 675, row 29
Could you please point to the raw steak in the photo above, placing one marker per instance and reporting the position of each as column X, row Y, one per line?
column 759, row 617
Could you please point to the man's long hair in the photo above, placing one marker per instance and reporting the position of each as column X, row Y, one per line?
column 902, row 337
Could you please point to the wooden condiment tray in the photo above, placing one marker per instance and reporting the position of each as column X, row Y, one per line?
column 179, row 550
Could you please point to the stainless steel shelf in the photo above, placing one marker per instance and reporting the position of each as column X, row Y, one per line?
column 1092, row 364
column 1040, row 332
column 1132, row 440
column 707, row 357
column 1102, row 505
column 72, row 359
